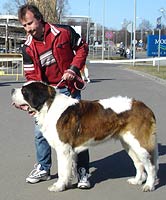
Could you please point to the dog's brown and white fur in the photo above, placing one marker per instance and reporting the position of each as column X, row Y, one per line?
column 85, row 73
column 70, row 126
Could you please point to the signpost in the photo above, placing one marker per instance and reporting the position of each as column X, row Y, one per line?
column 130, row 30
column 153, row 43
column 109, row 34
column 158, row 26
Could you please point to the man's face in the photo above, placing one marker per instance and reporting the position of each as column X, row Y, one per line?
column 32, row 25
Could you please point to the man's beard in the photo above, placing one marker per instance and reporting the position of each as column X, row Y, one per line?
column 31, row 32
column 36, row 35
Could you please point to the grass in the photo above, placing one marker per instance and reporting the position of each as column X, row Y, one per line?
column 152, row 70
column 156, row 71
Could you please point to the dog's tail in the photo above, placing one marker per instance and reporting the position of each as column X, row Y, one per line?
column 154, row 153
column 155, row 160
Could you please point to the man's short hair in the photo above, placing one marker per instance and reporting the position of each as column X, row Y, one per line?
column 24, row 8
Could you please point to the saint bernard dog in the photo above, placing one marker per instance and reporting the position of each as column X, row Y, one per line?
column 71, row 125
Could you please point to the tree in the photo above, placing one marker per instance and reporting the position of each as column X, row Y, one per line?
column 47, row 8
column 145, row 25
column 125, row 23
column 11, row 7
column 61, row 6
column 52, row 10
column 14, row 5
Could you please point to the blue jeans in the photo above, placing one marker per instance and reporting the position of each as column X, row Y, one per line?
column 43, row 149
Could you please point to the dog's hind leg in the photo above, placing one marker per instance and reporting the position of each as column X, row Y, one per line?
column 150, row 161
column 66, row 168
column 151, row 166
column 145, row 158
column 140, row 173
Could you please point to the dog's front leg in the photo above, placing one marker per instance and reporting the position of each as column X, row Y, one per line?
column 66, row 168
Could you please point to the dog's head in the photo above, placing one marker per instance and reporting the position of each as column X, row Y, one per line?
column 32, row 96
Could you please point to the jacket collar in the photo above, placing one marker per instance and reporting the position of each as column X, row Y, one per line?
column 54, row 30
column 47, row 27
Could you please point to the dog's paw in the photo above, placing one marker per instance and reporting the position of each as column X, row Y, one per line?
column 148, row 188
column 138, row 181
column 56, row 188
column 134, row 181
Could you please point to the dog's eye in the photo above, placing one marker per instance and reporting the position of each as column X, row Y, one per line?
column 26, row 93
column 23, row 91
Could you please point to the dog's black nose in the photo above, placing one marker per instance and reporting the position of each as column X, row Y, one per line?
column 12, row 91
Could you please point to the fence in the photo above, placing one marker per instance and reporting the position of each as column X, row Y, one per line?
column 153, row 67
column 153, row 61
column 11, row 65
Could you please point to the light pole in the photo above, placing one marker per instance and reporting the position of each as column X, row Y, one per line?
column 88, row 24
column 114, row 38
column 103, row 30
column 134, row 30
column 142, row 26
column 163, row 11
column 6, row 37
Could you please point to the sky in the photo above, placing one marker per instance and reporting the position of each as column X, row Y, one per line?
column 118, row 10
column 115, row 11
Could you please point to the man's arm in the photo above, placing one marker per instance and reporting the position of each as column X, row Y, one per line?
column 80, row 47
column 29, row 67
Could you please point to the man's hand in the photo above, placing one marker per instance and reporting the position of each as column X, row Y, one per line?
column 68, row 75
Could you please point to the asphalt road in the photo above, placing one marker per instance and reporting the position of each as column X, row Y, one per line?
column 110, row 166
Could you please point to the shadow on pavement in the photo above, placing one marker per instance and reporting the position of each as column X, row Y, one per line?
column 11, row 83
column 100, row 80
column 162, row 167
column 119, row 165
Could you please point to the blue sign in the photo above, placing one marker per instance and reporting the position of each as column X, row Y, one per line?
column 153, row 45
column 158, row 25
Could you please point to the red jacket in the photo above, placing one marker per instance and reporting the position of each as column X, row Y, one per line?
column 62, row 49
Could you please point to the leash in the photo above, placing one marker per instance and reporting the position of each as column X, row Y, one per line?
column 78, row 80
column 56, row 87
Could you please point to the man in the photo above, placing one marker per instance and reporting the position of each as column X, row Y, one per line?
column 54, row 54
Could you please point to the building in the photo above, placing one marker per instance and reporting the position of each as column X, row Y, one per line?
column 12, row 34
column 87, row 26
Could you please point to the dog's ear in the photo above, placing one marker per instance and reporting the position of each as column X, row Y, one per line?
column 52, row 93
column 37, row 94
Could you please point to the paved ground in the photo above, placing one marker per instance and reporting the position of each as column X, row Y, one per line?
column 110, row 166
